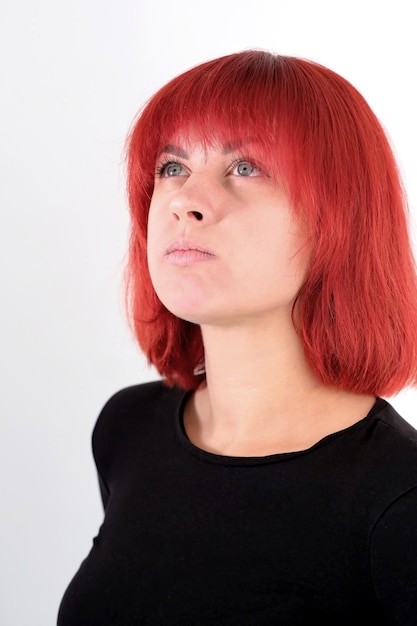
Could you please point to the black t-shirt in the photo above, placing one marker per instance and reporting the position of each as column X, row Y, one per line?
column 325, row 536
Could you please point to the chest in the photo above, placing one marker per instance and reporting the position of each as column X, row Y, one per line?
column 231, row 545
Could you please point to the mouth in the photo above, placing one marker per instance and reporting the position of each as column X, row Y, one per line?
column 186, row 252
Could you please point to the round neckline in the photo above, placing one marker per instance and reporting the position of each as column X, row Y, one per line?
column 212, row 457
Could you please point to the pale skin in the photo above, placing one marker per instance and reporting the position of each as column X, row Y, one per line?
column 226, row 252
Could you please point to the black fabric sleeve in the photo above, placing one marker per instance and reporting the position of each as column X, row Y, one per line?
column 394, row 559
column 104, row 491
column 101, row 443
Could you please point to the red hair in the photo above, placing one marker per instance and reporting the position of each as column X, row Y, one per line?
column 357, row 310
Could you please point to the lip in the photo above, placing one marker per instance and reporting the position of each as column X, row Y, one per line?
column 187, row 252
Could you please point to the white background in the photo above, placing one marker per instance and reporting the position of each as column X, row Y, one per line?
column 73, row 75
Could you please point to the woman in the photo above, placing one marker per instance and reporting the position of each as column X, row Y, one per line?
column 272, row 284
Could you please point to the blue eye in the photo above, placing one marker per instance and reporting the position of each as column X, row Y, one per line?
column 242, row 167
column 169, row 169
column 245, row 169
column 173, row 169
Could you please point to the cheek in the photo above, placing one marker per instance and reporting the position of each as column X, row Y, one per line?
column 162, row 276
column 290, row 256
column 280, row 239
column 154, row 237
column 152, row 222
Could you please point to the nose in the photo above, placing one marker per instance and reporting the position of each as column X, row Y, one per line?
column 193, row 201
column 192, row 214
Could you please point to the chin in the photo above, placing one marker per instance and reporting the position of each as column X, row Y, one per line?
column 188, row 300
column 197, row 314
column 191, row 311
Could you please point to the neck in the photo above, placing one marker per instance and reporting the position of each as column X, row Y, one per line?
column 261, row 396
column 256, row 361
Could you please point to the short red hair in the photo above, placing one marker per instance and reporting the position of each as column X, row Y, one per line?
column 357, row 310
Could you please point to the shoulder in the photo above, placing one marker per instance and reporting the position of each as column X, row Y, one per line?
column 385, row 413
column 396, row 443
column 131, row 416
column 391, row 462
column 129, row 400
column 381, row 448
column 388, row 451
column 375, row 460
column 137, row 403
column 393, row 436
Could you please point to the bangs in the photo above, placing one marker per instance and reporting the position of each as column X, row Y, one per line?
column 224, row 107
column 223, row 103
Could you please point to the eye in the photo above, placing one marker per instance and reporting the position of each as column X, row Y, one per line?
column 173, row 169
column 170, row 169
column 242, row 167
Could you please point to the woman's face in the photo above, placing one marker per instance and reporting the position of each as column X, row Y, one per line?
column 223, row 244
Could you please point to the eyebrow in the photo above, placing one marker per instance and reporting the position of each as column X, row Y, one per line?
column 175, row 150
column 231, row 147
column 183, row 154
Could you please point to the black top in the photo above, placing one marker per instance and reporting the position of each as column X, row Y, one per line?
column 325, row 536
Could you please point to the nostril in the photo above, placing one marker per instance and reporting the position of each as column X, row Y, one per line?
column 198, row 215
